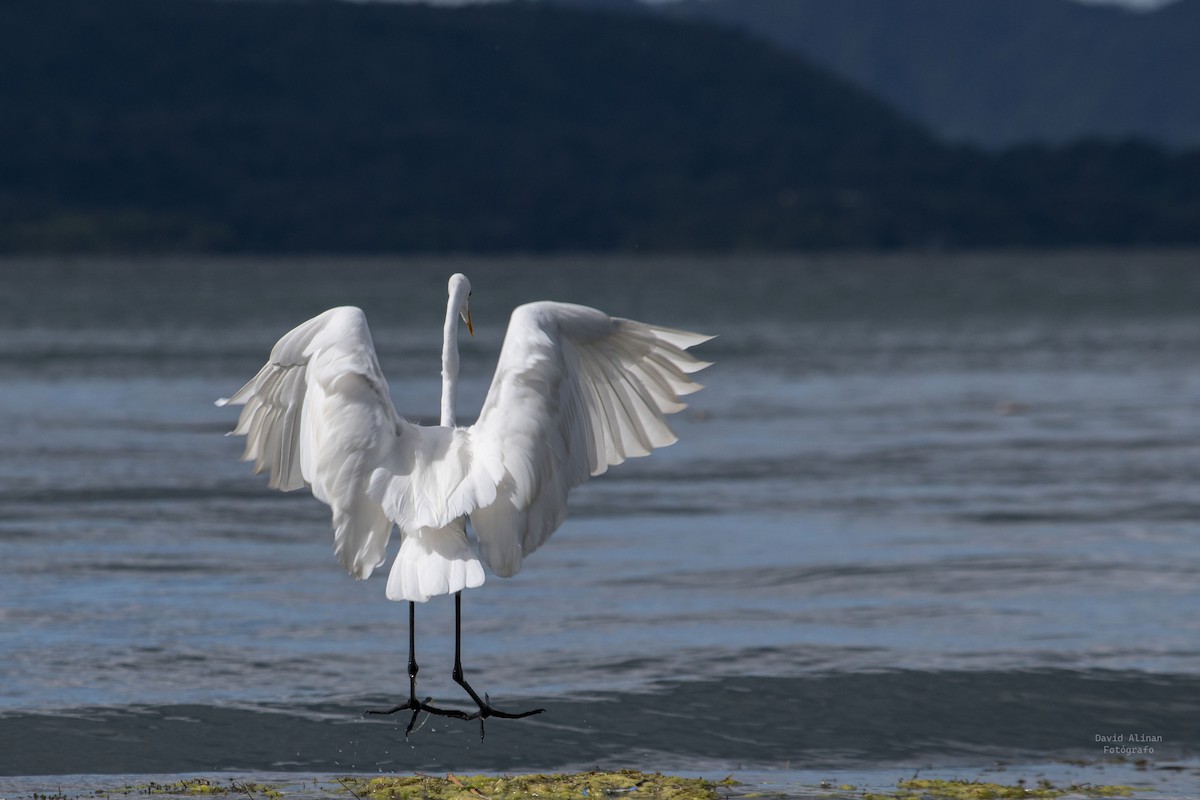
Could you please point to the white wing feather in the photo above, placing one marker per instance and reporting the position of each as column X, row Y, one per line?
column 319, row 414
column 575, row 391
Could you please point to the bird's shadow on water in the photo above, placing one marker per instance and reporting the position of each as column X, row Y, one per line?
column 840, row 721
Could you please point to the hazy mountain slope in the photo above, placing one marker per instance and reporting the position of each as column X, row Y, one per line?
column 191, row 124
column 999, row 71
column 324, row 124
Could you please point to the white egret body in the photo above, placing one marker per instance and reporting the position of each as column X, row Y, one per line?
column 575, row 392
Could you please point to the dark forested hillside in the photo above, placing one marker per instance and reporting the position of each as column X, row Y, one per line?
column 999, row 72
column 311, row 125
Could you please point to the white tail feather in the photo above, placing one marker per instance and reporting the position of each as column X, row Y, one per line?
column 434, row 561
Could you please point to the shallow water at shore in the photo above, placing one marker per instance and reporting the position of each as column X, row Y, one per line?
column 834, row 721
column 929, row 510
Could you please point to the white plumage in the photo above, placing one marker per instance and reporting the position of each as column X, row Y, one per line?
column 575, row 392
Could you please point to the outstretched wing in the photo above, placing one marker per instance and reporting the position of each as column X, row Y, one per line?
column 575, row 391
column 319, row 414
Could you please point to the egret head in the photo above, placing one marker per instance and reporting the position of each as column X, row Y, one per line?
column 460, row 294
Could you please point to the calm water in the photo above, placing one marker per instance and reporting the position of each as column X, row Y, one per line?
column 936, row 510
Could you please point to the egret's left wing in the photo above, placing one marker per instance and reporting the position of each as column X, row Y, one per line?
column 319, row 414
column 575, row 391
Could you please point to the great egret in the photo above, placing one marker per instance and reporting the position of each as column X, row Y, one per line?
column 575, row 392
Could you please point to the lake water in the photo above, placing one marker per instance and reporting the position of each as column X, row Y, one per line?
column 930, row 512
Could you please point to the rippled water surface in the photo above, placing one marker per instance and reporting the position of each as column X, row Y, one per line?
column 929, row 510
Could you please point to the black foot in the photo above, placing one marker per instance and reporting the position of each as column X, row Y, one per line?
column 487, row 710
column 417, row 706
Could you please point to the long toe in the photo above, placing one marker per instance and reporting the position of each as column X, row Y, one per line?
column 412, row 704
column 495, row 712
column 486, row 709
column 413, row 720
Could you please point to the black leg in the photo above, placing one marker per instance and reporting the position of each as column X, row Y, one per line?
column 485, row 708
column 413, row 704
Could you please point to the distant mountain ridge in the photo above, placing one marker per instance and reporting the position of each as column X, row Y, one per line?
column 318, row 125
column 998, row 72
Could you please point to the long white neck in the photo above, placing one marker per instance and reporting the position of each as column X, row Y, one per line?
column 450, row 364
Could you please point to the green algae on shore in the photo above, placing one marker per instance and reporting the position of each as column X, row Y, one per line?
column 571, row 786
column 194, row 786
column 618, row 785
column 934, row 789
